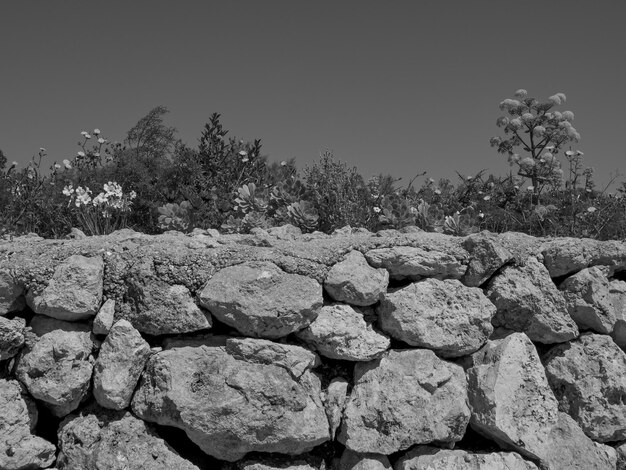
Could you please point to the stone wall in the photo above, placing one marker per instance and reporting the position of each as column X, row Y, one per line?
column 278, row 350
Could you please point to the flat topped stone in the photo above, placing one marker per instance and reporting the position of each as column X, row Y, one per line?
column 416, row 263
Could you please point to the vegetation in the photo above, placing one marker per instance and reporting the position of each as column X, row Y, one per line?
column 152, row 182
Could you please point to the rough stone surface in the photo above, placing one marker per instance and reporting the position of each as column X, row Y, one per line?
column 621, row 456
column 56, row 363
column 617, row 291
column 19, row 449
column 415, row 263
column 98, row 440
column 274, row 463
column 11, row 293
column 445, row 316
column 588, row 377
column 486, row 257
column 230, row 406
column 513, row 405
column 528, row 301
column 427, row 458
column 121, row 360
column 341, row 332
column 11, row 337
column 406, row 397
column 105, row 318
column 588, row 300
column 74, row 292
column 275, row 303
column 335, row 403
column 565, row 256
column 355, row 282
column 355, row 461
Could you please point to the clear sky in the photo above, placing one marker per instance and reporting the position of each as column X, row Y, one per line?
column 395, row 87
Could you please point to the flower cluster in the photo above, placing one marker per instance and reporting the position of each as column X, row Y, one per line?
column 112, row 198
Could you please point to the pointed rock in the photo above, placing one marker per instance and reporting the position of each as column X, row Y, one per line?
column 104, row 319
column 486, row 257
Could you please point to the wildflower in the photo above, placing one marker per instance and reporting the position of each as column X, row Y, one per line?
column 549, row 148
column 568, row 115
column 557, row 115
column 539, row 131
column 101, row 140
column 96, row 132
column 508, row 104
column 84, row 133
column 569, row 153
column 132, row 195
column 514, row 158
column 486, row 198
column 245, row 159
column 530, row 188
column 413, row 210
column 283, row 163
column 557, row 99
column 527, row 117
column 437, row 191
column 469, row 178
column 41, row 149
column 57, row 166
column 80, row 154
column 521, row 93
column 528, row 161
column 67, row 164
column 516, row 123
column 481, row 215
column 502, row 121
column 87, row 136
column 578, row 152
column 68, row 190
column 243, row 153
column 591, row 209
column 13, row 163
column 100, row 199
column 431, row 181
column 491, row 184
column 377, row 209
column 516, row 187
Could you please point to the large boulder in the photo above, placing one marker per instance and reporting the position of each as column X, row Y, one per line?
column 355, row 282
column 487, row 255
column 528, row 301
column 74, row 292
column 513, row 405
column 56, row 363
column 341, row 332
column 253, row 395
column 11, row 293
column 416, row 263
column 19, row 449
column 589, row 301
column 565, row 256
column 404, row 398
column 121, row 360
column 428, row 457
column 261, row 300
column 11, row 337
column 97, row 440
column 445, row 316
column 617, row 291
column 588, row 377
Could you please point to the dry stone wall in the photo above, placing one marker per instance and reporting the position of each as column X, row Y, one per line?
column 277, row 350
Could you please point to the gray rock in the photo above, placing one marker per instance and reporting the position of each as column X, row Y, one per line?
column 445, row 316
column 11, row 293
column 56, row 363
column 97, row 440
column 230, row 406
column 528, row 301
column 104, row 319
column 617, row 292
column 406, row 397
column 354, row 461
column 275, row 303
column 205, row 339
column 588, row 300
column 513, row 405
column 19, row 449
column 285, row 232
column 427, row 457
column 588, row 377
column 335, row 402
column 415, row 263
column 11, row 337
column 355, row 282
column 122, row 357
column 74, row 292
column 487, row 255
column 341, row 332
column 621, row 456
column 564, row 256
column 274, row 463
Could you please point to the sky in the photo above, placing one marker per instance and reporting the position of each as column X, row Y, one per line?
column 398, row 87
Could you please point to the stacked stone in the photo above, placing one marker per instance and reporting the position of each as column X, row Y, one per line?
column 282, row 350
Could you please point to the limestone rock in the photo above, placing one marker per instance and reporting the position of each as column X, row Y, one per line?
column 355, row 282
column 56, row 363
column 335, row 402
column 406, row 397
column 528, row 301
column 415, row 263
column 104, row 319
column 486, row 257
column 98, row 440
column 230, row 406
column 588, row 377
column 11, row 293
column 427, row 457
column 513, row 405
column 285, row 232
column 11, row 337
column 74, row 292
column 621, row 456
column 273, row 304
column 588, row 300
column 274, row 463
column 617, row 292
column 341, row 332
column 354, row 461
column 445, row 316
column 122, row 357
column 19, row 449
column 564, row 256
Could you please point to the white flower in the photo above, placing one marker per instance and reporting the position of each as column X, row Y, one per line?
column 481, row 215
column 100, row 140
column 41, row 149
column 96, row 154
column 100, row 199
column 569, row 153
column 84, row 133
column 243, row 153
column 283, row 163
column 96, row 132
column 132, row 195
column 80, row 154
column 516, row 123
column 13, row 163
column 413, row 210
column 521, row 93
column 68, row 190
column 87, row 136
column 486, row 198
column 469, row 178
column 528, row 161
column 527, row 117
column 568, row 115
column 591, row 209
column 67, row 164
column 377, row 209
column 245, row 159
column 530, row 188
column 57, row 166
column 437, row 191
column 578, row 152
column 539, row 131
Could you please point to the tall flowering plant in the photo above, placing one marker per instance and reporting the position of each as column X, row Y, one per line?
column 104, row 213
